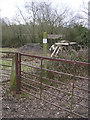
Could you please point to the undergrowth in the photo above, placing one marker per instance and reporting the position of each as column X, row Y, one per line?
column 81, row 55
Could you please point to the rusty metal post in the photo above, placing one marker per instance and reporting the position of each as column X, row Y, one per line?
column 16, row 66
column 19, row 71
column 74, row 69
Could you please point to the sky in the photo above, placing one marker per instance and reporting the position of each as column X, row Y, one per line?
column 8, row 7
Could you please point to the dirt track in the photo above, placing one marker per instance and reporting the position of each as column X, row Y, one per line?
column 22, row 106
column 28, row 107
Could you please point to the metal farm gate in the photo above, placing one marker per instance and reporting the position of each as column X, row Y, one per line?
column 61, row 83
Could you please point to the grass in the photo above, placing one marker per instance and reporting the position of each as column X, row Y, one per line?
column 8, row 49
column 5, row 62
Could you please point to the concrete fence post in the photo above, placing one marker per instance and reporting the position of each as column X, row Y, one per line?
column 18, row 72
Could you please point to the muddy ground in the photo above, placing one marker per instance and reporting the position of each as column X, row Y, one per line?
column 25, row 106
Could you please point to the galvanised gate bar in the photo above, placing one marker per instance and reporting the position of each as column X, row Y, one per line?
column 61, row 79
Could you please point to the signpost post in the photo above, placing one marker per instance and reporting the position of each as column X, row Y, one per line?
column 45, row 48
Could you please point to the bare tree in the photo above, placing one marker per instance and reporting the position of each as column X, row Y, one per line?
column 82, row 15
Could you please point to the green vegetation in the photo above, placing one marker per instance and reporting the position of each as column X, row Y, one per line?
column 42, row 17
column 8, row 49
column 11, row 38
column 70, row 54
column 5, row 62
column 77, row 33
